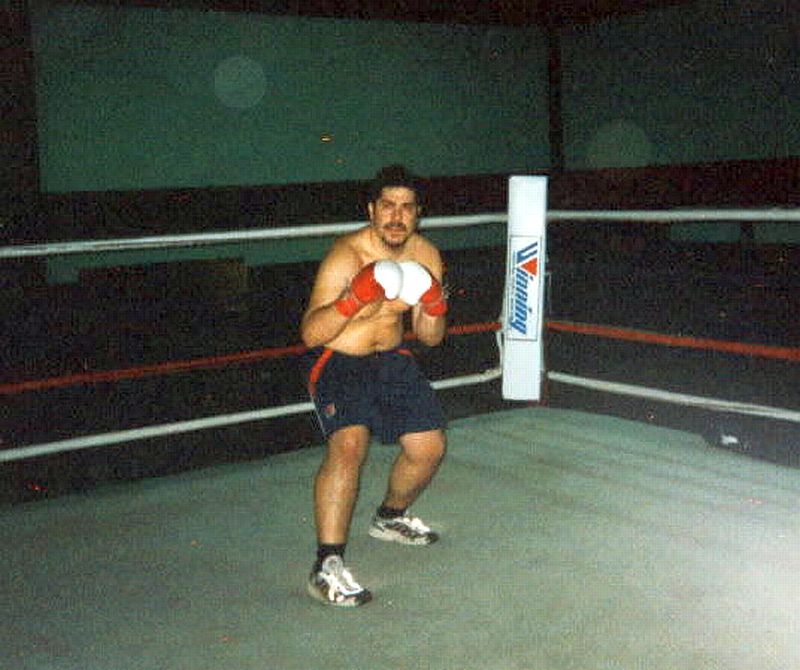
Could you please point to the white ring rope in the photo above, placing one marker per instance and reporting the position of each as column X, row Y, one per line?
column 227, row 237
column 89, row 441
column 676, row 215
column 135, row 434
column 430, row 223
column 677, row 398
column 103, row 439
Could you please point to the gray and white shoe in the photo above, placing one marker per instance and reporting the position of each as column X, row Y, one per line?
column 333, row 584
column 402, row 529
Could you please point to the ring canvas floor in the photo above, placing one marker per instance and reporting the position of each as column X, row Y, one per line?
column 570, row 540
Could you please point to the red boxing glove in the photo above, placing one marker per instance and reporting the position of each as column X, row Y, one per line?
column 433, row 300
column 419, row 286
column 374, row 282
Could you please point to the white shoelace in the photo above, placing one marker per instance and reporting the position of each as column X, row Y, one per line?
column 416, row 524
column 341, row 584
column 348, row 584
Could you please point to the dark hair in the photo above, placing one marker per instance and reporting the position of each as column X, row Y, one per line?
column 393, row 175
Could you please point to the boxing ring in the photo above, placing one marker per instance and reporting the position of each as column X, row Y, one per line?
column 571, row 539
column 790, row 354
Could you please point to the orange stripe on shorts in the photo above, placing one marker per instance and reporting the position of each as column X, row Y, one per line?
column 316, row 371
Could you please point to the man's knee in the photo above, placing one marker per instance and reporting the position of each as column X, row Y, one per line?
column 429, row 446
column 348, row 446
column 439, row 447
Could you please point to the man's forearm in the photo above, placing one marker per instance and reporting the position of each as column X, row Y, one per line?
column 321, row 325
column 430, row 330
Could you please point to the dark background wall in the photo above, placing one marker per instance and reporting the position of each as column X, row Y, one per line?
column 139, row 97
column 142, row 98
column 702, row 81
column 135, row 119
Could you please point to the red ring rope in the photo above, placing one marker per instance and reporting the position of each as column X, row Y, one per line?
column 610, row 332
column 631, row 335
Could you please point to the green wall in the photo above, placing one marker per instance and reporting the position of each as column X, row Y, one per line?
column 140, row 98
column 701, row 81
column 133, row 98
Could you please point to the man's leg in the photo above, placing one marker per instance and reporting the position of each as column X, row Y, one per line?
column 415, row 466
column 335, row 494
column 337, row 481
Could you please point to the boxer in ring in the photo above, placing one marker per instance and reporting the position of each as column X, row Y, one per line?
column 364, row 383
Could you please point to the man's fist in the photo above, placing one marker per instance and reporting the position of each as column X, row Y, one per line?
column 376, row 281
column 419, row 286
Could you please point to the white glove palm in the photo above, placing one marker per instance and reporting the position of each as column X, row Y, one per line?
column 390, row 276
column 416, row 281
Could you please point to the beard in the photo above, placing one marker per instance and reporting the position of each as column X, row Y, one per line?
column 392, row 244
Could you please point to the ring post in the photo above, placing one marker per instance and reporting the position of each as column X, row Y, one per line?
column 523, row 304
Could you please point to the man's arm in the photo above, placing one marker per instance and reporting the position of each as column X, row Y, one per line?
column 336, row 298
column 322, row 321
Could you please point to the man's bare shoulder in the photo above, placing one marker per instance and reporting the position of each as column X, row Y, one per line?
column 347, row 247
column 424, row 245
column 352, row 242
column 424, row 251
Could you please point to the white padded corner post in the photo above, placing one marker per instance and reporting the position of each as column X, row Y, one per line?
column 523, row 304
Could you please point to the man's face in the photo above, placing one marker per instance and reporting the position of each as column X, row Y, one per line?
column 394, row 215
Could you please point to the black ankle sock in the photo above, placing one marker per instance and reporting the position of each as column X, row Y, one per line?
column 325, row 550
column 385, row 512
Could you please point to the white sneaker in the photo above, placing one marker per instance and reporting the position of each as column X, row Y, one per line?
column 334, row 585
column 402, row 529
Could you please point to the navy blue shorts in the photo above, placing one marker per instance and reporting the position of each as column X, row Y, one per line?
column 384, row 391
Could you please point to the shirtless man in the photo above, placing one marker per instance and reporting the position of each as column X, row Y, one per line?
column 362, row 381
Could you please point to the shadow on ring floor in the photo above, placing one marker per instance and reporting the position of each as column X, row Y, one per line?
column 570, row 540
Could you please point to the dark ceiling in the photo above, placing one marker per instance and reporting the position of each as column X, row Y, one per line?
column 504, row 12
